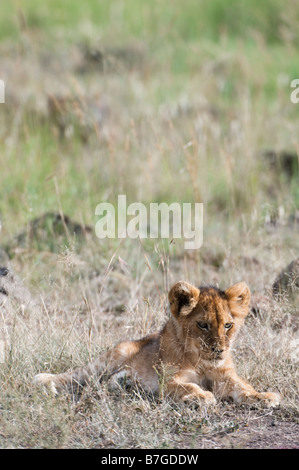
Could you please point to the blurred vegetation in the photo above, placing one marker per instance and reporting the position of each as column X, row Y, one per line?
column 214, row 74
column 196, row 19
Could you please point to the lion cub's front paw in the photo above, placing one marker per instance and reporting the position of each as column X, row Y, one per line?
column 269, row 399
column 48, row 380
column 206, row 398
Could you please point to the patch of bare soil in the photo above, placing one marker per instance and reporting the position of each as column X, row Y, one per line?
column 251, row 429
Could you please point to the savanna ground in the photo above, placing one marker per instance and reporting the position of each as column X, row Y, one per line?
column 160, row 101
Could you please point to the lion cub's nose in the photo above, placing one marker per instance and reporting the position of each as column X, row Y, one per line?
column 217, row 350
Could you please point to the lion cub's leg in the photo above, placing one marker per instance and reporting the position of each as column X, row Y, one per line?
column 107, row 364
column 184, row 386
column 242, row 392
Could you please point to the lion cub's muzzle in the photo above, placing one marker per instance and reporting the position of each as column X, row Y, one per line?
column 218, row 352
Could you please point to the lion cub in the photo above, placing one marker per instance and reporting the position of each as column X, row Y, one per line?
column 195, row 344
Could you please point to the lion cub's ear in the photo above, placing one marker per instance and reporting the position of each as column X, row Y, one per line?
column 183, row 297
column 238, row 297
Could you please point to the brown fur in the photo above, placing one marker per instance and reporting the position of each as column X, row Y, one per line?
column 191, row 353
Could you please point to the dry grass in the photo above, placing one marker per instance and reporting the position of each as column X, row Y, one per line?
column 83, row 314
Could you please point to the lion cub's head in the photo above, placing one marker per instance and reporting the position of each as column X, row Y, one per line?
column 208, row 318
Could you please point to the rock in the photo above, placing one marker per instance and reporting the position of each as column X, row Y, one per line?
column 13, row 292
column 259, row 304
column 15, row 299
column 284, row 160
column 98, row 58
column 48, row 232
column 287, row 282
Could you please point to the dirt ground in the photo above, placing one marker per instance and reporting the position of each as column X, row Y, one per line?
column 260, row 430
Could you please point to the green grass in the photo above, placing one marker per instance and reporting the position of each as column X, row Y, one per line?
column 139, row 19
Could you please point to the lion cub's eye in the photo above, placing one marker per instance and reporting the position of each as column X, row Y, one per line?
column 228, row 326
column 203, row 326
